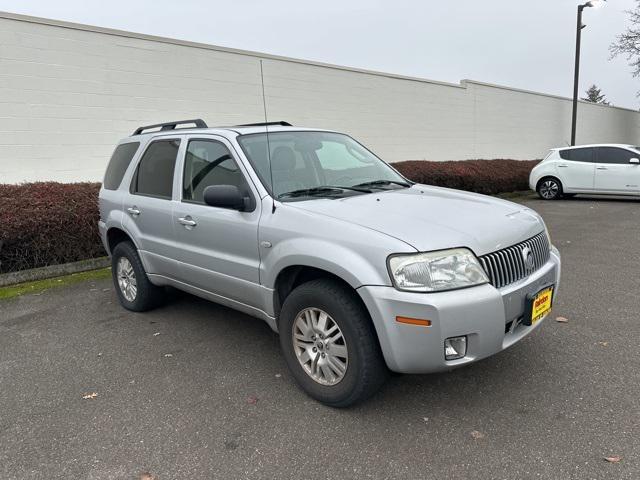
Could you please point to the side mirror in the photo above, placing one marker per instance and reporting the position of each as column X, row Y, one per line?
column 228, row 196
column 635, row 161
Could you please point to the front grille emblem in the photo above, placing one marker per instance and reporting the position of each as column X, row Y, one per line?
column 527, row 256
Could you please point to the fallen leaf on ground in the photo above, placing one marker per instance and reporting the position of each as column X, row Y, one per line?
column 613, row 459
column 168, row 355
column 604, row 344
column 156, row 334
column 148, row 476
column 252, row 400
column 89, row 396
column 278, row 375
column 477, row 435
column 562, row 320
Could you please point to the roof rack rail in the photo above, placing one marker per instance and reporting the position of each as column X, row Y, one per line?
column 199, row 123
column 266, row 124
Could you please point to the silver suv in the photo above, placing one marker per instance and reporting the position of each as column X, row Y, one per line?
column 360, row 270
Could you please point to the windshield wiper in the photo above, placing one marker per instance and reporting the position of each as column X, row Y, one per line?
column 376, row 183
column 323, row 190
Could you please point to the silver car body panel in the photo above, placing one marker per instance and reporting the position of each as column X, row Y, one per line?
column 234, row 258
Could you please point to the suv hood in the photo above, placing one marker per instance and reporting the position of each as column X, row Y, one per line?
column 434, row 218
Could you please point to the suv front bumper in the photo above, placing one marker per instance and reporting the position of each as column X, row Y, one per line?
column 483, row 313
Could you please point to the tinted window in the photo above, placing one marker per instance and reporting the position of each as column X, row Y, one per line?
column 118, row 164
column 155, row 171
column 614, row 155
column 208, row 163
column 578, row 154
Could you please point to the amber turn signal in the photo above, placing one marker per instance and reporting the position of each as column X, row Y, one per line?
column 414, row 321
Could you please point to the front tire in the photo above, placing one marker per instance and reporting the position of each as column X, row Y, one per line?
column 550, row 188
column 330, row 345
column 135, row 291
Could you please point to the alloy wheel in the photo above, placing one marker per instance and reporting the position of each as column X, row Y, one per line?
column 127, row 279
column 549, row 189
column 319, row 346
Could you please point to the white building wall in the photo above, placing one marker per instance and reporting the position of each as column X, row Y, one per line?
column 69, row 92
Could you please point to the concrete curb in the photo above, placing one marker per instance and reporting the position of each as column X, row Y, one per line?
column 53, row 271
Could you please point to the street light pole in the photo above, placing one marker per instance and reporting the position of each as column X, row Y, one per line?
column 576, row 78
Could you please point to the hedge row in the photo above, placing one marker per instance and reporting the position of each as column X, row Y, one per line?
column 48, row 223
column 482, row 176
column 51, row 223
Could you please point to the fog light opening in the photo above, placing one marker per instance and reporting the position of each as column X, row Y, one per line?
column 455, row 348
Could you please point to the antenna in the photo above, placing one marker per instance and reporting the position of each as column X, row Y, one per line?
column 266, row 126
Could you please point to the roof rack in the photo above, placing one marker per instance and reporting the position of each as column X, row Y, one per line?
column 199, row 123
column 266, row 124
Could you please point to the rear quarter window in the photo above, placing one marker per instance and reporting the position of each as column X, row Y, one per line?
column 577, row 154
column 118, row 164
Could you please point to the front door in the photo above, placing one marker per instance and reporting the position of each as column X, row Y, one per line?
column 217, row 247
column 148, row 206
column 614, row 172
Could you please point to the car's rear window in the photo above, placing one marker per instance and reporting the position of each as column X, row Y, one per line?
column 118, row 164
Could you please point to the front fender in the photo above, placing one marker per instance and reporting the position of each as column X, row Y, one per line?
column 346, row 263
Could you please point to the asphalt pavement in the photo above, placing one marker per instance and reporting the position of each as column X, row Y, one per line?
column 194, row 390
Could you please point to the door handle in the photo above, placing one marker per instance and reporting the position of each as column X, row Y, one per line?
column 563, row 166
column 602, row 168
column 133, row 211
column 187, row 221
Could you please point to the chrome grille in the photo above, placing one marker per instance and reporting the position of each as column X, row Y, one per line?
column 508, row 265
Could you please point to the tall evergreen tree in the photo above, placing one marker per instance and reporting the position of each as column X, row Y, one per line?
column 595, row 95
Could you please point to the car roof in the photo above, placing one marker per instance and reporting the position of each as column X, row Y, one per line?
column 615, row 145
column 224, row 131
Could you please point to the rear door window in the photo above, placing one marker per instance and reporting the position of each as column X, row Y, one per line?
column 154, row 176
column 118, row 164
column 578, row 154
column 614, row 155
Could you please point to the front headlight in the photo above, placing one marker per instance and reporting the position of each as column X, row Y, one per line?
column 436, row 271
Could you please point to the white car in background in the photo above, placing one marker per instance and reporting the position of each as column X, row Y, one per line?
column 609, row 169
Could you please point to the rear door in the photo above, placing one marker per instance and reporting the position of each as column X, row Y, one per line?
column 217, row 247
column 614, row 172
column 148, row 206
column 576, row 169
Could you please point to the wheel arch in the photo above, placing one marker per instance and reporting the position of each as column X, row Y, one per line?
column 116, row 235
column 294, row 275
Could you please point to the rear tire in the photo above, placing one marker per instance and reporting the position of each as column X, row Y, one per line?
column 330, row 344
column 134, row 290
column 549, row 188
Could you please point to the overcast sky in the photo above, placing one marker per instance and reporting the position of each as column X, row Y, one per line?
column 520, row 43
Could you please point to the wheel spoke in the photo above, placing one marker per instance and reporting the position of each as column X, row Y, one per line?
column 304, row 357
column 336, row 365
column 322, row 322
column 327, row 372
column 338, row 351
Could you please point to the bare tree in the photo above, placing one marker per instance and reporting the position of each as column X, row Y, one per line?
column 628, row 43
column 595, row 95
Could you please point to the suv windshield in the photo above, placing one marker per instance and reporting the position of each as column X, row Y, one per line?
column 317, row 164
